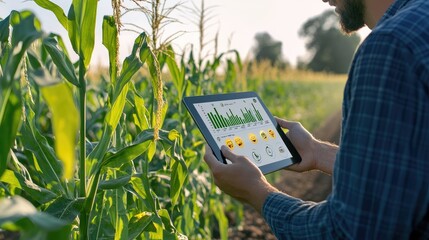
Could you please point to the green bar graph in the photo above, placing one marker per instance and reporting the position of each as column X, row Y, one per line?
column 258, row 114
column 230, row 119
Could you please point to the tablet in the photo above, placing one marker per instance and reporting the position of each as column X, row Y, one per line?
column 243, row 123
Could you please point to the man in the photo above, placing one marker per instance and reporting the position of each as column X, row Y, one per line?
column 381, row 168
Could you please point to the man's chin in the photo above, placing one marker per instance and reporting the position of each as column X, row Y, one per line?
column 348, row 26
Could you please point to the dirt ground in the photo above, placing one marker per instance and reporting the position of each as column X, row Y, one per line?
column 310, row 186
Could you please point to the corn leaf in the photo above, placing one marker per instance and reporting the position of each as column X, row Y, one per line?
column 178, row 177
column 42, row 75
column 131, row 65
column 115, row 113
column 65, row 124
column 141, row 186
column 141, row 118
column 178, row 75
column 118, row 212
column 35, row 192
column 4, row 30
column 110, row 42
column 125, row 155
column 10, row 120
column 139, row 223
column 85, row 13
column 26, row 30
column 237, row 59
column 73, row 30
column 114, row 160
column 166, row 220
column 231, row 75
column 45, row 157
column 144, row 50
column 179, row 170
column 16, row 213
column 33, row 60
column 110, row 122
column 63, row 63
column 65, row 209
column 100, row 227
column 55, row 9
column 220, row 216
column 151, row 150
column 115, row 183
column 164, row 228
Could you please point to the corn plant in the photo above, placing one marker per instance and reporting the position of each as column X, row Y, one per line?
column 22, row 213
column 136, row 174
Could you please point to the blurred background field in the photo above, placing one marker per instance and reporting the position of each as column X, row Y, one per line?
column 298, row 95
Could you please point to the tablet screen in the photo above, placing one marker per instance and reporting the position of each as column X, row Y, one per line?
column 244, row 126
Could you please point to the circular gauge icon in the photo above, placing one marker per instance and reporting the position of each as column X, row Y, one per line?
column 256, row 156
column 269, row 151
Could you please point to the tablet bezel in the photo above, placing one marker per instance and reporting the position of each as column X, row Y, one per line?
column 189, row 104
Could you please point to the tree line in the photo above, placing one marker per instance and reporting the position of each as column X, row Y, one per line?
column 330, row 49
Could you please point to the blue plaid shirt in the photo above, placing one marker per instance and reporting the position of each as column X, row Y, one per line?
column 381, row 174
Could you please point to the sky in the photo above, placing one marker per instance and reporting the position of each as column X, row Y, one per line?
column 237, row 21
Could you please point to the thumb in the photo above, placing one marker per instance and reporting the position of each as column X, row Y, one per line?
column 210, row 158
column 229, row 154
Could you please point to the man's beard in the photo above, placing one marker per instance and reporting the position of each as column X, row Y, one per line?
column 352, row 15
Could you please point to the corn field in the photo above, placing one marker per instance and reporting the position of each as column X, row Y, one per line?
column 114, row 158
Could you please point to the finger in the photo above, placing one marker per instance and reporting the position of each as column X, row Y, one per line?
column 294, row 167
column 285, row 123
column 210, row 158
column 229, row 154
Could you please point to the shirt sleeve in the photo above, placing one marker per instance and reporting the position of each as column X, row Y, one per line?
column 380, row 183
column 292, row 218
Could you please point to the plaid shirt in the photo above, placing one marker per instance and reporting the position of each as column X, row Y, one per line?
column 381, row 174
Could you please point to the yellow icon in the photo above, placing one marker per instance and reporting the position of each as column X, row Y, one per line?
column 271, row 132
column 239, row 141
column 263, row 135
column 253, row 138
column 229, row 143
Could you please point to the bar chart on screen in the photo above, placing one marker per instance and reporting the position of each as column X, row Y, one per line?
column 235, row 113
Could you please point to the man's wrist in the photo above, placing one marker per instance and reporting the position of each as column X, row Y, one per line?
column 259, row 194
column 325, row 154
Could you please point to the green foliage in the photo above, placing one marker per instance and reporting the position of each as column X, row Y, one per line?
column 59, row 98
column 26, row 29
column 130, row 184
column 17, row 214
column 121, row 178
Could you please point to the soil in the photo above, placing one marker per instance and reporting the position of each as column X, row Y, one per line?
column 309, row 186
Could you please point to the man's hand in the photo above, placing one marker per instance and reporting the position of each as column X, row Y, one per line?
column 315, row 154
column 241, row 179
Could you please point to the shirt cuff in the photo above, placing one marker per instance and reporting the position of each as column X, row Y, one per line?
column 276, row 208
column 275, row 202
